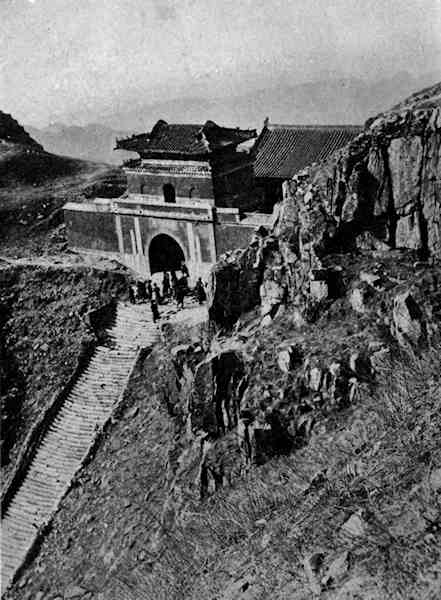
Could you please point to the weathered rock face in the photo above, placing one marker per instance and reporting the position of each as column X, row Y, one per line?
column 383, row 189
column 246, row 278
column 223, row 425
column 235, row 283
column 381, row 192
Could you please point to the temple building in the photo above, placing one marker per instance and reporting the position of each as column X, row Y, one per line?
column 281, row 151
column 190, row 197
column 195, row 192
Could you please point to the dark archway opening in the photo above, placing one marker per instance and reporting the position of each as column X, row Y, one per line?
column 165, row 254
column 169, row 192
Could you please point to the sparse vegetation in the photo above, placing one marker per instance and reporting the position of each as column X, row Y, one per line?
column 380, row 460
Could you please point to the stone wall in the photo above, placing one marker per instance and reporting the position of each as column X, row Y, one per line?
column 235, row 188
column 185, row 186
column 230, row 236
column 91, row 231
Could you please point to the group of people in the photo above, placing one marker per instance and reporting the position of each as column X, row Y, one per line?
column 173, row 288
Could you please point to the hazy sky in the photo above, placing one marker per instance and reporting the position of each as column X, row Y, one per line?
column 62, row 58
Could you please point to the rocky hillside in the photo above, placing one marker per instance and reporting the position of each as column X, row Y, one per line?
column 294, row 452
column 380, row 193
column 11, row 132
column 24, row 161
column 35, row 184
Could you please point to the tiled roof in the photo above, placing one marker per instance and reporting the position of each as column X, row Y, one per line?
column 283, row 150
column 183, row 139
column 177, row 138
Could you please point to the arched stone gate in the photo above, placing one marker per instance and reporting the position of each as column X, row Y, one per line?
column 165, row 254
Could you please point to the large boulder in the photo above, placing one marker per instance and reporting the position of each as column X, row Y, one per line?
column 409, row 325
column 216, row 394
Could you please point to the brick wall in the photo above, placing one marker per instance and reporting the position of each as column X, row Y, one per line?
column 91, row 230
column 200, row 187
column 231, row 236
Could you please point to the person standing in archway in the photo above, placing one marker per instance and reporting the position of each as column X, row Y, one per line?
column 141, row 290
column 132, row 297
column 174, row 284
column 166, row 285
column 180, row 295
column 149, row 289
column 184, row 269
column 157, row 293
column 155, row 310
column 200, row 291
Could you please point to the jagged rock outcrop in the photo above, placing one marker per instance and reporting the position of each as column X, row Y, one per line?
column 224, row 421
column 244, row 278
column 381, row 192
column 356, row 240
column 409, row 325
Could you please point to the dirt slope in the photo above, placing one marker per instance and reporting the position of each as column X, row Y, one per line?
column 42, row 331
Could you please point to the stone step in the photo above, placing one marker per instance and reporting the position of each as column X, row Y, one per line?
column 23, row 515
column 88, row 411
column 57, row 442
column 63, row 431
column 18, row 526
column 18, row 540
column 103, row 383
column 47, row 481
column 68, row 459
column 98, row 390
column 67, row 456
column 89, row 393
column 61, row 459
column 60, row 425
column 34, row 488
column 40, row 495
column 27, row 509
column 132, row 328
column 110, row 375
column 40, row 482
column 112, row 369
column 84, row 416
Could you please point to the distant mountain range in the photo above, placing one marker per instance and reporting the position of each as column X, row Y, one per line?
column 24, row 162
column 337, row 101
column 92, row 142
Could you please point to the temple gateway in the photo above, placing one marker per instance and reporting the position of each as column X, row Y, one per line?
column 189, row 198
column 195, row 192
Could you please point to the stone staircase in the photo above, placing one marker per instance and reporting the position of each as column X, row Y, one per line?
column 71, row 435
